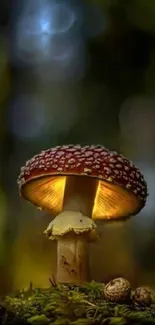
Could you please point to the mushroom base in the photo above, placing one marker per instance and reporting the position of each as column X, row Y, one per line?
column 72, row 259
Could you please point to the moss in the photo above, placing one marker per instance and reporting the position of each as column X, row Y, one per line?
column 38, row 320
column 75, row 305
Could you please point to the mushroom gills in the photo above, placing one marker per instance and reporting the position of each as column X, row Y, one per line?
column 98, row 199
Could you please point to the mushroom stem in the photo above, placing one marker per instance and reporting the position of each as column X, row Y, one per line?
column 72, row 259
column 79, row 194
column 72, row 231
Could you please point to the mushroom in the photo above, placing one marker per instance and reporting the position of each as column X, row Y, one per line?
column 79, row 185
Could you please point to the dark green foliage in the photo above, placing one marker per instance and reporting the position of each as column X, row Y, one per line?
column 71, row 305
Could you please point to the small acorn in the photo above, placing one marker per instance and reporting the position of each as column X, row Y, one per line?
column 117, row 290
column 142, row 297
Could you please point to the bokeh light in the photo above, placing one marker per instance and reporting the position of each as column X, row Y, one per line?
column 137, row 115
column 30, row 111
column 97, row 20
column 146, row 217
column 38, row 23
column 53, row 34
column 68, row 61
column 39, row 119
column 75, row 71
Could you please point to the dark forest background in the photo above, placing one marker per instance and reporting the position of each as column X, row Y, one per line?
column 75, row 72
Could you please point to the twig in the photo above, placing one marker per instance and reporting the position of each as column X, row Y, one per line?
column 30, row 288
column 53, row 281
column 89, row 303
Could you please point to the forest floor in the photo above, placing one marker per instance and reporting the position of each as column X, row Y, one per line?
column 71, row 305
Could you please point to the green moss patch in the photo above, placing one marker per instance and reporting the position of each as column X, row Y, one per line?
column 75, row 305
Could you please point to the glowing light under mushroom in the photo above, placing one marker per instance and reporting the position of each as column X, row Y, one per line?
column 49, row 193
column 43, row 180
column 80, row 182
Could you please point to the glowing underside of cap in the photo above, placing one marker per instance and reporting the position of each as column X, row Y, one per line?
column 111, row 201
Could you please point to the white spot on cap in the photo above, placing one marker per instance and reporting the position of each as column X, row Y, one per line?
column 60, row 169
column 60, row 153
column 120, row 159
column 96, row 155
column 88, row 163
column 97, row 166
column 137, row 175
column 77, row 146
column 87, row 170
column 112, row 160
column 107, row 170
column 88, row 153
column 72, row 149
column 119, row 166
column 65, row 147
column 69, row 155
column 110, row 179
column 72, row 166
column 98, row 149
column 132, row 175
column 71, row 161
column 77, row 153
column 126, row 168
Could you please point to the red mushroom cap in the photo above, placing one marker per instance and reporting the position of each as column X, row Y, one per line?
column 113, row 171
